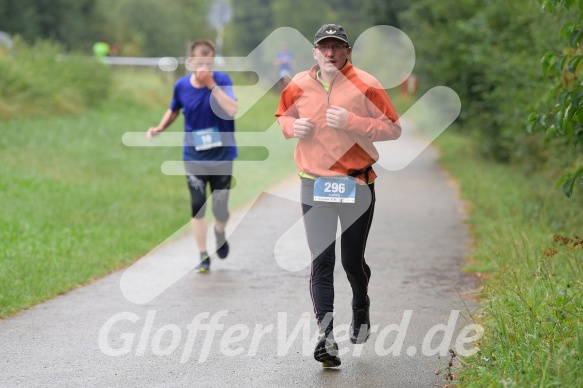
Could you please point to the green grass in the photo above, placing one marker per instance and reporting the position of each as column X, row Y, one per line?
column 78, row 203
column 533, row 291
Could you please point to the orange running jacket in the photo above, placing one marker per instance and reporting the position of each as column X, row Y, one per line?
column 326, row 151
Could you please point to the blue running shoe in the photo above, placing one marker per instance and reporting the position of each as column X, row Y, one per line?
column 222, row 245
column 204, row 265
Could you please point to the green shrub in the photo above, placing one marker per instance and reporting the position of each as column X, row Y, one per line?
column 489, row 53
column 39, row 80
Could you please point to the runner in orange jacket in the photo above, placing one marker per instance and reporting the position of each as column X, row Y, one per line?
column 337, row 111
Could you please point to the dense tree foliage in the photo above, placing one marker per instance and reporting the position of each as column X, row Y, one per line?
column 139, row 27
column 387, row 12
column 490, row 53
column 255, row 19
column 563, row 121
column 155, row 28
column 72, row 23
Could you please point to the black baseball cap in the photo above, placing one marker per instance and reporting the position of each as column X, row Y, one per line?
column 331, row 31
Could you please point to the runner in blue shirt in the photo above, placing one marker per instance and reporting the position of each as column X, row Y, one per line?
column 284, row 59
column 206, row 98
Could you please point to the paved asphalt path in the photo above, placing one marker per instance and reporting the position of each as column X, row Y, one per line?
column 96, row 336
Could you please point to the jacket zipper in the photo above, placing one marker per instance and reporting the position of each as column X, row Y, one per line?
column 329, row 88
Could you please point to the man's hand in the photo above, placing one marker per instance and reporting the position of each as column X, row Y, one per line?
column 205, row 77
column 302, row 127
column 153, row 132
column 336, row 117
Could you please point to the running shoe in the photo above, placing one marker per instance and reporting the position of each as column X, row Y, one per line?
column 360, row 325
column 222, row 245
column 326, row 351
column 204, row 265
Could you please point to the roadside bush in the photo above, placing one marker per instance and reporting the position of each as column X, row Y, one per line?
column 489, row 53
column 38, row 80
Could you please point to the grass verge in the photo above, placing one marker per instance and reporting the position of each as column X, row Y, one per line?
column 77, row 203
column 527, row 242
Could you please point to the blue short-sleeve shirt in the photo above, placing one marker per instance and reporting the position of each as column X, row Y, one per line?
column 197, row 105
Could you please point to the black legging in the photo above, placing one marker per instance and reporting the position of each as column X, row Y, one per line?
column 198, row 174
column 320, row 220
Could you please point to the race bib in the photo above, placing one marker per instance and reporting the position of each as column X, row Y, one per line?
column 205, row 139
column 335, row 189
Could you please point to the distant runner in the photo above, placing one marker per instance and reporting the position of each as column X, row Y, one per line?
column 284, row 60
